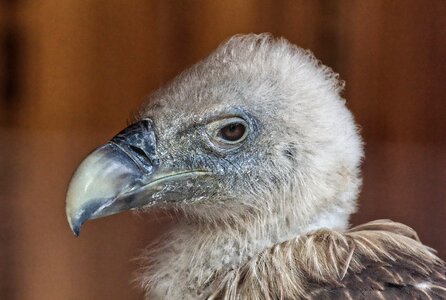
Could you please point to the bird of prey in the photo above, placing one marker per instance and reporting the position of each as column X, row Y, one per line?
column 255, row 154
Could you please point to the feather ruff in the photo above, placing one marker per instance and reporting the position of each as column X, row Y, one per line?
column 330, row 264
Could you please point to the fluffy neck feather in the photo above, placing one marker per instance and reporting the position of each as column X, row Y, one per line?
column 192, row 257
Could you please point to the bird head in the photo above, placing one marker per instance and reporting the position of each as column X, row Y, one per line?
column 256, row 128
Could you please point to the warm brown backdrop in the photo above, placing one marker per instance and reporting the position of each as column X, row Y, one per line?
column 71, row 72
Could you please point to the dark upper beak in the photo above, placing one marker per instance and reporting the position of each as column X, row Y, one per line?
column 111, row 178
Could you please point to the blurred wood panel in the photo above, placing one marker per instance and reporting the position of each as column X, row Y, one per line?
column 85, row 66
column 395, row 70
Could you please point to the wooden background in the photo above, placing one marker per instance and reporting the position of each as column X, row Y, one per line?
column 71, row 72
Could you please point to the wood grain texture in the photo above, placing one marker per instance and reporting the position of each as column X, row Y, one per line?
column 84, row 67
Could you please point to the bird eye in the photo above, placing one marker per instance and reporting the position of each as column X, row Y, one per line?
column 228, row 133
column 232, row 132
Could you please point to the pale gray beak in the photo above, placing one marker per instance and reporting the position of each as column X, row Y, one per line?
column 111, row 178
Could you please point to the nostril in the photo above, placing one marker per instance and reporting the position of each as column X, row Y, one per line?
column 139, row 151
column 153, row 160
column 138, row 141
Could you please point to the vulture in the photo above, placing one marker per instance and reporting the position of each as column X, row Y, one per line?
column 254, row 154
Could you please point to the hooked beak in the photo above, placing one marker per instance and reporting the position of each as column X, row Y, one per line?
column 122, row 175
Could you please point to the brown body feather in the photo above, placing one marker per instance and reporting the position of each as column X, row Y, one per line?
column 378, row 260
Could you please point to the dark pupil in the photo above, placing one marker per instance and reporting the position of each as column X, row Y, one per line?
column 232, row 132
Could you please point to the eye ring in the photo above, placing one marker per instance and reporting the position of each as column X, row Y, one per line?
column 230, row 132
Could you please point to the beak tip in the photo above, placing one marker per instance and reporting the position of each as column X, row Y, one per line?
column 75, row 226
column 76, row 231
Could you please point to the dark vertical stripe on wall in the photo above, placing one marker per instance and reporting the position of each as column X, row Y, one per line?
column 177, row 30
column 10, row 56
column 327, row 34
column 10, row 46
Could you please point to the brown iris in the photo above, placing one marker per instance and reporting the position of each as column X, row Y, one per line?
column 232, row 132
